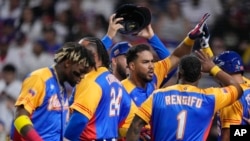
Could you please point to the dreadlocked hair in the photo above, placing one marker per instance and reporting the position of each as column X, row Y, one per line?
column 190, row 67
column 131, row 55
column 101, row 50
column 76, row 53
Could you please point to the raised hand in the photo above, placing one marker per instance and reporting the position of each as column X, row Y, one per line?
column 114, row 26
column 198, row 30
column 206, row 62
column 147, row 32
column 205, row 38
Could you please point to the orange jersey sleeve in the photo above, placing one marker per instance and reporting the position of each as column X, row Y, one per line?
column 32, row 92
column 145, row 110
column 231, row 115
column 161, row 69
column 224, row 96
column 87, row 97
column 123, row 129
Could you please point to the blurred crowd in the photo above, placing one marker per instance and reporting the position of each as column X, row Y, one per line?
column 32, row 30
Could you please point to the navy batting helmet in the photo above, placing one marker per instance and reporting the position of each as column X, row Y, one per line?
column 230, row 62
column 119, row 49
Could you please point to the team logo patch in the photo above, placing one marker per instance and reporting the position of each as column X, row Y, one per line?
column 32, row 92
column 224, row 90
column 55, row 104
column 116, row 52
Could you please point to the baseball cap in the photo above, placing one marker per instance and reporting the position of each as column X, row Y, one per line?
column 119, row 49
column 135, row 18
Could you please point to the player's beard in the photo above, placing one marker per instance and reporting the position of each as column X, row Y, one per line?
column 121, row 71
column 144, row 78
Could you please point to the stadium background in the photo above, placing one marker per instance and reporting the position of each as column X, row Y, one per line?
column 32, row 30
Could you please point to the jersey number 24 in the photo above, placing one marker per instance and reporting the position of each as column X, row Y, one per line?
column 114, row 108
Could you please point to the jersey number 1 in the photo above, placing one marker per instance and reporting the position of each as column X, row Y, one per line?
column 181, row 124
column 114, row 108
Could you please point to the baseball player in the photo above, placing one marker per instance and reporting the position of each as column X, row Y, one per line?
column 231, row 62
column 237, row 113
column 175, row 109
column 42, row 106
column 147, row 75
column 101, row 105
column 118, row 51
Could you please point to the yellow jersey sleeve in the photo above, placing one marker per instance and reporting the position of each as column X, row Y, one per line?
column 32, row 93
column 231, row 115
column 145, row 110
column 87, row 98
column 223, row 96
column 123, row 129
column 161, row 70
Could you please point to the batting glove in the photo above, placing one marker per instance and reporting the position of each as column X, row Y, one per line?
column 205, row 38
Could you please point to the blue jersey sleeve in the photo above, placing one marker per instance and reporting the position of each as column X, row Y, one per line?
column 107, row 42
column 159, row 47
column 76, row 125
column 162, row 53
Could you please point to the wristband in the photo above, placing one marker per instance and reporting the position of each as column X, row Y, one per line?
column 215, row 70
column 208, row 51
column 32, row 135
column 22, row 121
column 188, row 41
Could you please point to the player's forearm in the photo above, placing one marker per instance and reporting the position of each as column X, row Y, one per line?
column 225, row 134
column 134, row 130
column 185, row 47
column 133, row 133
column 25, row 127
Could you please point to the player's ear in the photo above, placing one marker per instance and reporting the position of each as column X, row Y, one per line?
column 131, row 66
column 113, row 60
